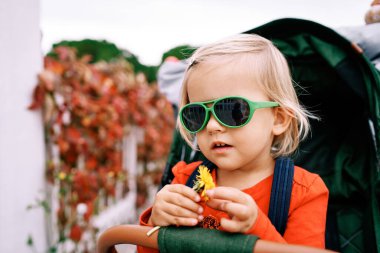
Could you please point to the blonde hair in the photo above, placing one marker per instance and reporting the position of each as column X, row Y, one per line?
column 271, row 69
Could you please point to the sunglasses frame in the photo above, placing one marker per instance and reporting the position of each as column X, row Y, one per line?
column 253, row 106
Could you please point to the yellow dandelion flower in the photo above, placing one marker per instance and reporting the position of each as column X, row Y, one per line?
column 204, row 182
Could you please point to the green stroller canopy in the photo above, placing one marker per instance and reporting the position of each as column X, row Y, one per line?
column 335, row 81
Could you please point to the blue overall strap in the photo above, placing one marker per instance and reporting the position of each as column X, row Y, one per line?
column 281, row 193
column 190, row 181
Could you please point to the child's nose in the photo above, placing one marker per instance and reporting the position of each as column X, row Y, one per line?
column 214, row 126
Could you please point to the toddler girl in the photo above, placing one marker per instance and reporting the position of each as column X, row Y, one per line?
column 239, row 102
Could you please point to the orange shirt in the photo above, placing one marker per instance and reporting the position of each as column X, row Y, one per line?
column 307, row 212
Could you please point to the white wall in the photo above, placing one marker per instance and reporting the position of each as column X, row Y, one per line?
column 21, row 132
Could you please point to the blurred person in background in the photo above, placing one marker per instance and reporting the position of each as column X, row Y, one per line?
column 169, row 79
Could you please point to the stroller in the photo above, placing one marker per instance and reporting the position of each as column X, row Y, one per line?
column 339, row 84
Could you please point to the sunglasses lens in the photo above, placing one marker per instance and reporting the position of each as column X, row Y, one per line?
column 232, row 111
column 193, row 117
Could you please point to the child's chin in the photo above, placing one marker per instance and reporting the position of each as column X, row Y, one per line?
column 227, row 166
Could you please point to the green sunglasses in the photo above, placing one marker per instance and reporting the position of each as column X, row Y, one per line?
column 232, row 112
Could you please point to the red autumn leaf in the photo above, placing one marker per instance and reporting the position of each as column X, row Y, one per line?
column 119, row 104
column 90, row 211
column 53, row 65
column 63, row 145
column 75, row 233
column 86, row 186
column 91, row 163
column 71, row 155
column 73, row 135
column 75, row 99
column 117, row 130
column 110, row 189
column 38, row 98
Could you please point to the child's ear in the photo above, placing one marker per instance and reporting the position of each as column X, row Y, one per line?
column 282, row 119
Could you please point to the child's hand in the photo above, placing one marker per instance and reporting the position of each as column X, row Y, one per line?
column 238, row 205
column 176, row 204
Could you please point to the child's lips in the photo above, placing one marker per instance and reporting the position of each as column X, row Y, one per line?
column 220, row 147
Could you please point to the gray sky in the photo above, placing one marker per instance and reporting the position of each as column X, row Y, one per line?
column 148, row 28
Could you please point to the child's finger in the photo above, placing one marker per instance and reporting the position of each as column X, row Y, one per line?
column 179, row 200
column 166, row 219
column 175, row 210
column 231, row 225
column 185, row 191
column 181, row 221
column 217, row 204
column 236, row 210
column 228, row 193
